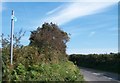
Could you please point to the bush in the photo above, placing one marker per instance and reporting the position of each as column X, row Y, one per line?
column 62, row 71
column 43, row 60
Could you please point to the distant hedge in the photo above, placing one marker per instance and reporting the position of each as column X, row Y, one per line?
column 107, row 62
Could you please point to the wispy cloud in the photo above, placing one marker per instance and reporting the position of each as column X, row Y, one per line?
column 72, row 11
column 54, row 10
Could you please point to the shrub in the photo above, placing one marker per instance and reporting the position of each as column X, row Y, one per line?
column 62, row 71
column 42, row 60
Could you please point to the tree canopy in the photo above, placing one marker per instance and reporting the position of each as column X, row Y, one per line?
column 49, row 37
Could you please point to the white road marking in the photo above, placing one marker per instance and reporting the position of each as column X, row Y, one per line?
column 108, row 77
column 96, row 73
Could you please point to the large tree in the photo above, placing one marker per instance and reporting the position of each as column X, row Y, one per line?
column 49, row 37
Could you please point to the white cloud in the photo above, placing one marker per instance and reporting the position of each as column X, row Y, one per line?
column 54, row 10
column 76, row 10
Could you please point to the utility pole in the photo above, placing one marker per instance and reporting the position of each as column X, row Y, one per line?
column 12, row 30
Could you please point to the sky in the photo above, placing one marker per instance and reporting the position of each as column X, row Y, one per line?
column 93, row 25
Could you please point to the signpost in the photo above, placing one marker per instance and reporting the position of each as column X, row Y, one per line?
column 12, row 30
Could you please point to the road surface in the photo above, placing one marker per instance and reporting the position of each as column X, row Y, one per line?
column 95, row 75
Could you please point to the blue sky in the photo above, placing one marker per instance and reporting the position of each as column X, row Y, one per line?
column 93, row 25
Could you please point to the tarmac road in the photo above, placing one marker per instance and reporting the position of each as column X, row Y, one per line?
column 95, row 75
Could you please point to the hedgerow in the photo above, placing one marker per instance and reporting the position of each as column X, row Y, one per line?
column 44, row 59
